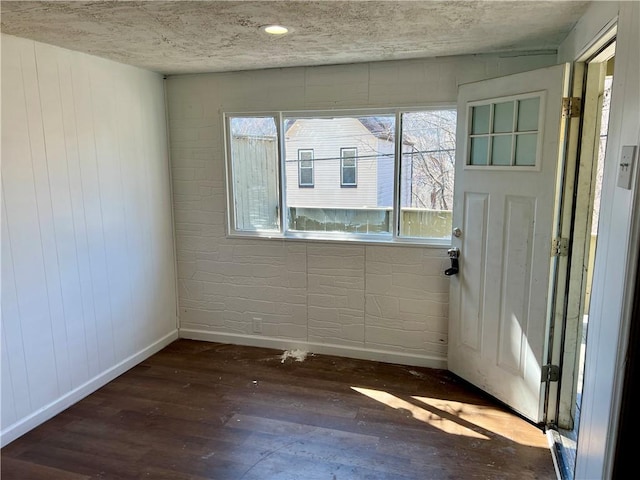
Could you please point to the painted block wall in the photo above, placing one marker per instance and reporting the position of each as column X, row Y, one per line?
column 382, row 302
column 88, row 271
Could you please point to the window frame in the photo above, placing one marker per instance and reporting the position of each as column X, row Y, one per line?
column 229, row 178
column 300, row 168
column 392, row 238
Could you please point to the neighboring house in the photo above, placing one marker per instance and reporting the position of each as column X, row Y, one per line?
column 348, row 162
column 339, row 162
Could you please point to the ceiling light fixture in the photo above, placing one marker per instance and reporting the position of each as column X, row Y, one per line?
column 276, row 30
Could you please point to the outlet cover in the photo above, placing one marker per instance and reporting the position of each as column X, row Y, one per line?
column 257, row 325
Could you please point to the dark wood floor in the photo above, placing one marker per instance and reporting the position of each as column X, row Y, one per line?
column 200, row 410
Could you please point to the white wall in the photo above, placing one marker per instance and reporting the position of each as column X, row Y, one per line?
column 617, row 241
column 88, row 286
column 379, row 302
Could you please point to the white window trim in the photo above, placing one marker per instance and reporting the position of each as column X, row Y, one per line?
column 392, row 238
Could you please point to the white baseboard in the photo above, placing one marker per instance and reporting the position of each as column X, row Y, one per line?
column 43, row 414
column 320, row 348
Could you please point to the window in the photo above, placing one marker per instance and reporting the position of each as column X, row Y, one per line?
column 382, row 176
column 348, row 167
column 426, row 173
column 504, row 132
column 305, row 168
column 253, row 150
column 349, row 151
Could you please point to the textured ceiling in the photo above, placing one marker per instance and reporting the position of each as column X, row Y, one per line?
column 213, row 36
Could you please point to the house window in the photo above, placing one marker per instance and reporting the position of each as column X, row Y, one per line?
column 348, row 167
column 401, row 162
column 305, row 168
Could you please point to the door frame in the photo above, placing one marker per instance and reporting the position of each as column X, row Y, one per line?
column 568, row 305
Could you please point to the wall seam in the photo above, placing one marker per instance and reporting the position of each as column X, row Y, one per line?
column 35, row 188
column 173, row 222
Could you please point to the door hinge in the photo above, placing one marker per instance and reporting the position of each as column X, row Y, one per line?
column 550, row 373
column 560, row 247
column 571, row 107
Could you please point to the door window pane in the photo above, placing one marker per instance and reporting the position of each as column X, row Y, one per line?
column 526, row 146
column 480, row 119
column 501, row 150
column 479, row 150
column 528, row 114
column 503, row 117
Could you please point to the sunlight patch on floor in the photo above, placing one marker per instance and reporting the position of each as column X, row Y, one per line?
column 484, row 417
column 430, row 418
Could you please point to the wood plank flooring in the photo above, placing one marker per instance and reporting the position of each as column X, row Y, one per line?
column 199, row 410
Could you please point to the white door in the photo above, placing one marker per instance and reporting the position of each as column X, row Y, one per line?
column 508, row 169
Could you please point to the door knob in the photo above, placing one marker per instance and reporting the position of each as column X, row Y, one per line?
column 454, row 253
column 457, row 232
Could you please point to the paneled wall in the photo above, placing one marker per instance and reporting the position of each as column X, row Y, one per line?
column 384, row 302
column 88, row 280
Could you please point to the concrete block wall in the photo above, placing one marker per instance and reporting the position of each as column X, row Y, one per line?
column 376, row 301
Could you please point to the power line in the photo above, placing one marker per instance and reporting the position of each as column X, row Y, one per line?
column 444, row 150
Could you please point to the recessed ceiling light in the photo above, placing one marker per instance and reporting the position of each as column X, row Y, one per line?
column 276, row 30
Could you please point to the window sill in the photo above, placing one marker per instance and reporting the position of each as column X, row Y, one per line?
column 378, row 240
